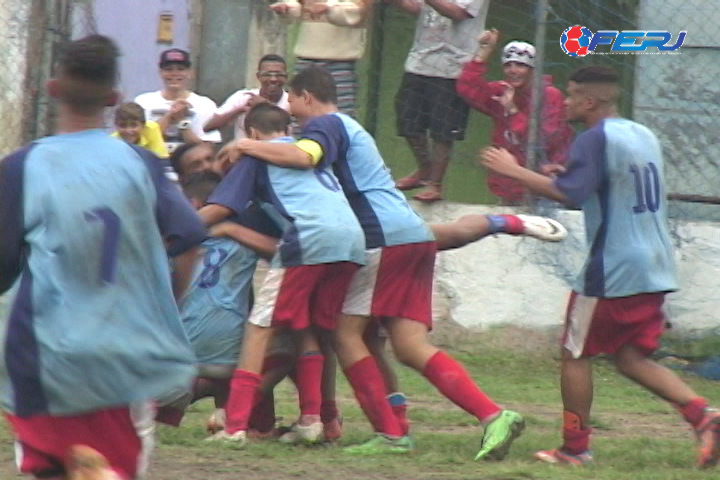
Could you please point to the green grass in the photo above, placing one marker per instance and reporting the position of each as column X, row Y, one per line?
column 637, row 437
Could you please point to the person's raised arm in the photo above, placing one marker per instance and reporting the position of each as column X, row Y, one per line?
column 449, row 9
column 263, row 245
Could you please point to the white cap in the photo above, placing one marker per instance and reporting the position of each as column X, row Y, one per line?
column 520, row 52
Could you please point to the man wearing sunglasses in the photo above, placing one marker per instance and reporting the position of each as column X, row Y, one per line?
column 507, row 103
column 272, row 75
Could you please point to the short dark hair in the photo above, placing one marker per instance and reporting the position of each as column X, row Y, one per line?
column 176, row 156
column 200, row 185
column 267, row 118
column 317, row 82
column 129, row 112
column 88, row 72
column 271, row 57
column 595, row 74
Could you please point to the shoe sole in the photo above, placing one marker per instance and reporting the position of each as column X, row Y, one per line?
column 501, row 451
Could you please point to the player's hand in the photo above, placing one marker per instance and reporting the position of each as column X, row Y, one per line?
column 499, row 160
column 231, row 153
column 488, row 38
column 552, row 169
column 316, row 10
column 507, row 98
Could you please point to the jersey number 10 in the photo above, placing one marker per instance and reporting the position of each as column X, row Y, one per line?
column 647, row 188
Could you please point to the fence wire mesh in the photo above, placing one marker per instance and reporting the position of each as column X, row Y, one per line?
column 30, row 34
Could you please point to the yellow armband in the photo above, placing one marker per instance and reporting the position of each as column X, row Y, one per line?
column 312, row 148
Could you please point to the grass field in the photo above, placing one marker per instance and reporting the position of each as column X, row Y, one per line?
column 637, row 436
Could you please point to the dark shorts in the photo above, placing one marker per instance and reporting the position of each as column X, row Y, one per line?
column 430, row 104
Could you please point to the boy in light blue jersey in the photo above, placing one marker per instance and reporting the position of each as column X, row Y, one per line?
column 93, row 335
column 615, row 174
column 396, row 285
column 218, row 303
column 321, row 249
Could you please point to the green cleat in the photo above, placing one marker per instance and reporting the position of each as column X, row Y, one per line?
column 499, row 435
column 381, row 445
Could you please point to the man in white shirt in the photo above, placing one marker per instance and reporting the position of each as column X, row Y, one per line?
column 272, row 74
column 180, row 112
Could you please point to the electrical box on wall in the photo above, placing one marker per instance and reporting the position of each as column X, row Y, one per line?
column 165, row 28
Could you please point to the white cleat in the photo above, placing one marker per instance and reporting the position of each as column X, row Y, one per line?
column 239, row 438
column 312, row 433
column 543, row 228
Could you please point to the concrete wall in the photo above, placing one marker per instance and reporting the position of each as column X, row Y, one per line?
column 525, row 282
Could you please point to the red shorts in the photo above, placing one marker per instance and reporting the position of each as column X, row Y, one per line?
column 604, row 325
column 123, row 435
column 297, row 297
column 397, row 282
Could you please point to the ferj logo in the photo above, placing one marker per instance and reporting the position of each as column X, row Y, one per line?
column 579, row 41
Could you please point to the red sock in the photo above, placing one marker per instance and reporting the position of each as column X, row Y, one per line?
column 451, row 379
column 243, row 388
column 694, row 411
column 276, row 361
column 262, row 417
column 509, row 224
column 328, row 411
column 309, row 378
column 367, row 382
column 400, row 412
column 576, row 436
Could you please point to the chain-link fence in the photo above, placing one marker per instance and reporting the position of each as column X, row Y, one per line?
column 30, row 33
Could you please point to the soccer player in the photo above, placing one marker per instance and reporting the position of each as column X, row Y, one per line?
column 93, row 335
column 615, row 174
column 218, row 302
column 321, row 249
column 397, row 282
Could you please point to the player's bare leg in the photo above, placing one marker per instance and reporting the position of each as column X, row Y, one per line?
column 634, row 365
column 85, row 463
column 413, row 348
column 471, row 228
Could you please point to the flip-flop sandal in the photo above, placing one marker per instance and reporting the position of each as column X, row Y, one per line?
column 409, row 183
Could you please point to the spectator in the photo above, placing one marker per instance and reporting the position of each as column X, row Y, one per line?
column 332, row 35
column 180, row 112
column 427, row 100
column 507, row 103
column 272, row 74
column 132, row 127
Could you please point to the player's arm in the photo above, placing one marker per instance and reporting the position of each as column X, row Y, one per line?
column 263, row 245
column 412, row 7
column 182, row 273
column 12, row 238
column 301, row 154
column 503, row 162
column 449, row 9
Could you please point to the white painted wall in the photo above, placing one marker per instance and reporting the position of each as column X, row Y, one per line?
column 525, row 282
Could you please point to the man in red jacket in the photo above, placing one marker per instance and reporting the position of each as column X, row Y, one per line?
column 508, row 102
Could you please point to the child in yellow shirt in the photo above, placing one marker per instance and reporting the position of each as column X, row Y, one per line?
column 133, row 128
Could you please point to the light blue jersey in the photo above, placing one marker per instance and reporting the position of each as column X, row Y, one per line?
column 218, row 302
column 321, row 226
column 384, row 213
column 615, row 173
column 93, row 322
